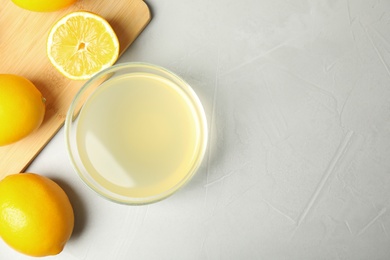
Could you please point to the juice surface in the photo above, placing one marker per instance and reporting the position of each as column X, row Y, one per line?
column 138, row 135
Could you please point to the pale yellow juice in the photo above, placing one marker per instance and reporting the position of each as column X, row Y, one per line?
column 138, row 135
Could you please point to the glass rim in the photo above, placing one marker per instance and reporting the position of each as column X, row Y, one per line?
column 122, row 199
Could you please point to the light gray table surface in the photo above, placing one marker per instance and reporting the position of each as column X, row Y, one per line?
column 297, row 98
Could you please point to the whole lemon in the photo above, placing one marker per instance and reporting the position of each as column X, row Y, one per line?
column 43, row 5
column 36, row 217
column 22, row 108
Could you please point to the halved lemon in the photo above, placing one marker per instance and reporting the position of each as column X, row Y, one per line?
column 81, row 44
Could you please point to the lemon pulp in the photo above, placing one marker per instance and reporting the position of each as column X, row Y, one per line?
column 81, row 44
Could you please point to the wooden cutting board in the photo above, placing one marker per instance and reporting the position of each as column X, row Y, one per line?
column 23, row 37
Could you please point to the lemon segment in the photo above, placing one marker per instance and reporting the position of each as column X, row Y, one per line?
column 81, row 44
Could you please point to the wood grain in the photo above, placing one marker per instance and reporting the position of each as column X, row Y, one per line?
column 23, row 37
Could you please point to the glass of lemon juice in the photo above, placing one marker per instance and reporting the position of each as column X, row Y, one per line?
column 136, row 133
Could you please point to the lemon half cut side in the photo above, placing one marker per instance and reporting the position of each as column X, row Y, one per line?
column 81, row 44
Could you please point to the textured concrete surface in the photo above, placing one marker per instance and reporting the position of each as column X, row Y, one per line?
column 297, row 96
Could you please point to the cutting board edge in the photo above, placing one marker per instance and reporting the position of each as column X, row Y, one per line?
column 38, row 146
column 63, row 123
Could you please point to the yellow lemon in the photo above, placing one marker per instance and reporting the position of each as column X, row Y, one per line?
column 43, row 5
column 81, row 44
column 22, row 108
column 36, row 217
